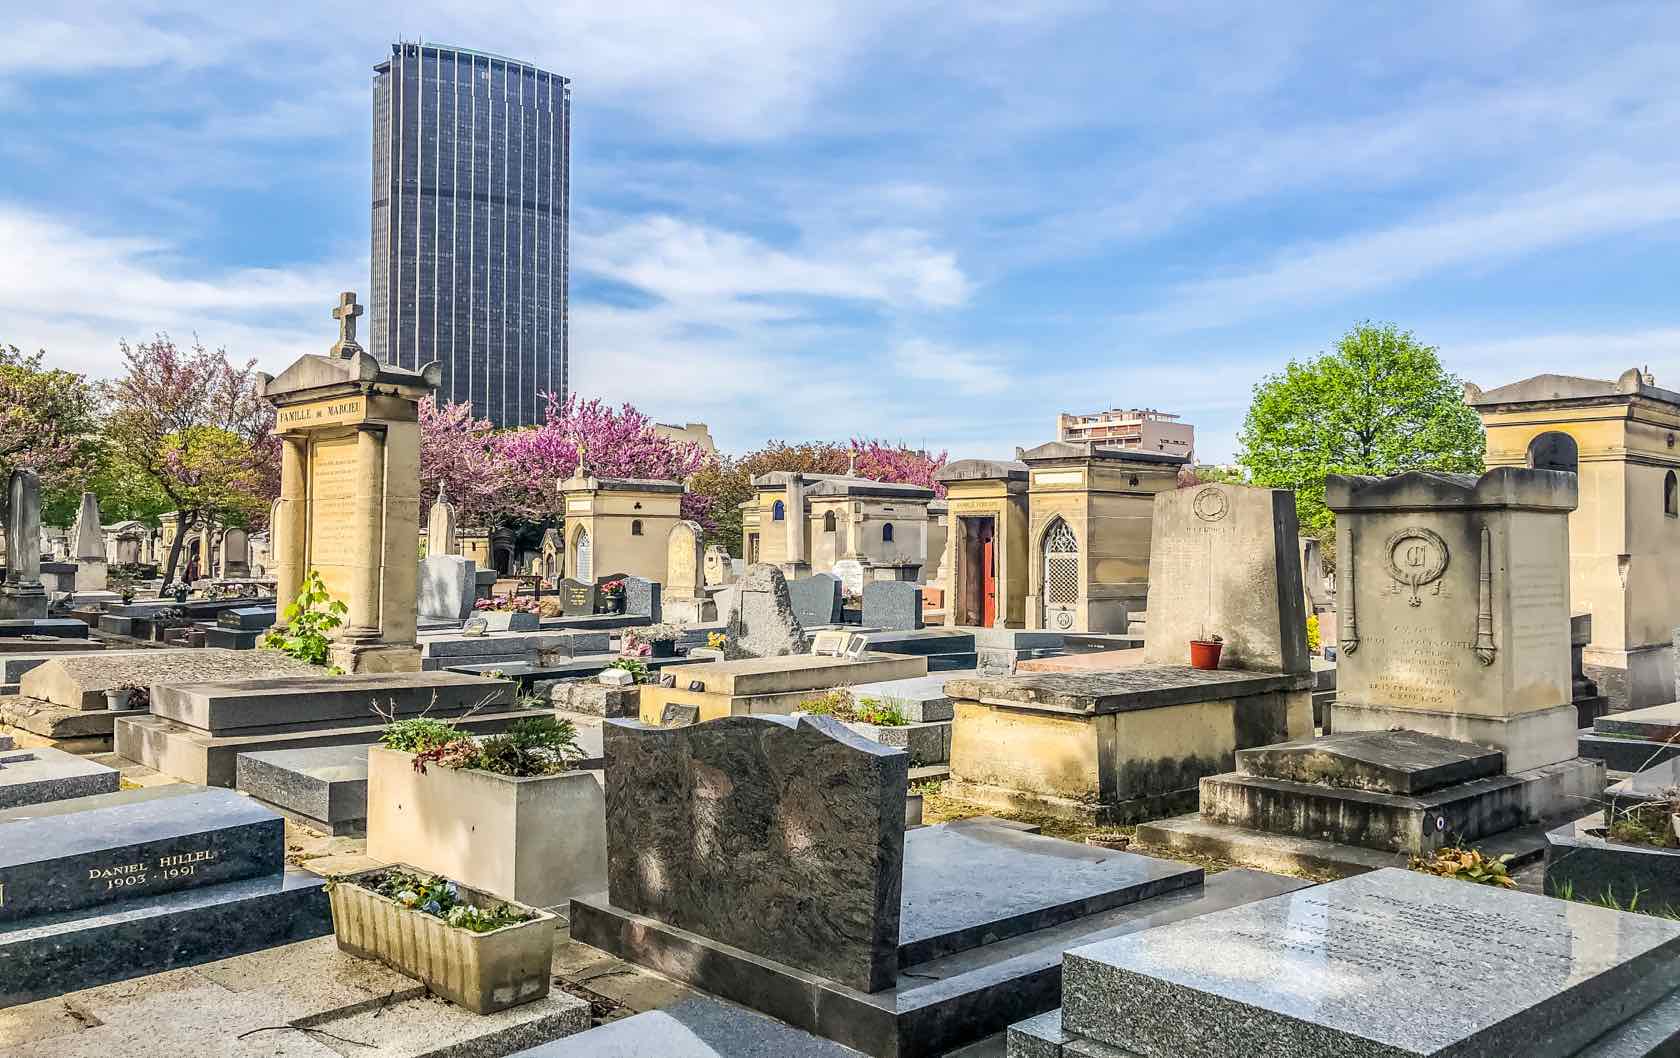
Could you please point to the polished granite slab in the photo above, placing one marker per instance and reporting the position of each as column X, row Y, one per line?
column 53, row 954
column 30, row 776
column 113, row 848
column 693, row 1028
column 934, row 1006
column 324, row 787
column 1390, row 963
column 972, row 882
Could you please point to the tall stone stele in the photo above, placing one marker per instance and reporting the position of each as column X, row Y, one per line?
column 349, row 504
column 22, row 598
column 442, row 536
column 1453, row 598
column 87, row 547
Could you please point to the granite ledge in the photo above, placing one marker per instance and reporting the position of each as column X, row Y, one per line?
column 1121, row 690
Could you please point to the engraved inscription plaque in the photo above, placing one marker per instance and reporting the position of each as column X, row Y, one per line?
column 332, row 504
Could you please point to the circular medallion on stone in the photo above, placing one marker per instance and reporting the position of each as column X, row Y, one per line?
column 1416, row 558
column 1210, row 504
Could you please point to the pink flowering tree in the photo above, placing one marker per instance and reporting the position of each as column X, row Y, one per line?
column 192, row 424
column 459, row 454
column 616, row 443
column 899, row 464
column 47, row 424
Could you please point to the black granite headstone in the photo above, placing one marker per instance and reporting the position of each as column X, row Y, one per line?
column 780, row 835
column 246, row 617
column 577, row 599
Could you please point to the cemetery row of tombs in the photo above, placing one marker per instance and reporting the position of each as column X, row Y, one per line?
column 721, row 774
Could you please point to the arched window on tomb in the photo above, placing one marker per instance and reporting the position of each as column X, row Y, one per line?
column 1671, row 495
column 828, row 522
column 1554, row 451
column 887, row 533
column 635, row 527
column 778, row 511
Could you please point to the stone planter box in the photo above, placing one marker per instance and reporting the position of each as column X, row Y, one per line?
column 1582, row 862
column 539, row 841
column 484, row 972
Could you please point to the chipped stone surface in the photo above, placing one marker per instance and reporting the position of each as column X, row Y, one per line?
column 761, row 618
column 780, row 835
column 80, row 681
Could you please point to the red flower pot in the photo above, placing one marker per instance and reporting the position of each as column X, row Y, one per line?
column 1204, row 654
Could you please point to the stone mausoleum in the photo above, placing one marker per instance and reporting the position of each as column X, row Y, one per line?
column 1620, row 439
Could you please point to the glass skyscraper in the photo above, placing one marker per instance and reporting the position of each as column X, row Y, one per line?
column 471, row 185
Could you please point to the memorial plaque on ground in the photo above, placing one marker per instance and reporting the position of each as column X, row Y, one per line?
column 713, row 825
column 577, row 599
column 134, row 847
column 1389, row 963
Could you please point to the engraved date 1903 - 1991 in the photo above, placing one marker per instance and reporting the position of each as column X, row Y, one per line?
column 166, row 868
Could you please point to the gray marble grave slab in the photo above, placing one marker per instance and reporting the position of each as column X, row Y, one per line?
column 256, row 705
column 780, row 835
column 1398, row 762
column 1390, row 963
column 30, row 776
column 325, row 786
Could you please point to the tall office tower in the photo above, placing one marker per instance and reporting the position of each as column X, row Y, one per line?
column 471, row 181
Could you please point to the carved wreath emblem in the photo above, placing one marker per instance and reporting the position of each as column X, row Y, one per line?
column 1416, row 558
column 1210, row 504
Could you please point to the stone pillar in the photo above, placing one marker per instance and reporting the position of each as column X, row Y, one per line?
column 22, row 598
column 794, row 519
column 369, row 528
column 87, row 547
column 287, row 521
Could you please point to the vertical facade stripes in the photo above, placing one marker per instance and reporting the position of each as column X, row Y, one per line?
column 471, row 197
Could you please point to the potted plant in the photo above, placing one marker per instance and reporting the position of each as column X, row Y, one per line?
column 660, row 638
column 127, row 696
column 482, row 953
column 507, row 814
column 1204, row 652
column 612, row 596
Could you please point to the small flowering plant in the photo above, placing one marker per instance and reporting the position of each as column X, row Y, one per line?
column 441, row 898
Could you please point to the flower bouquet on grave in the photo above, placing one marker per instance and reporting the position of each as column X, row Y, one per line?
column 612, row 596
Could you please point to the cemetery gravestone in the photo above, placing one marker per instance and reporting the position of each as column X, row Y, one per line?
column 87, row 547
column 1454, row 609
column 852, row 574
column 815, row 599
column 447, row 587
column 720, row 568
column 22, row 598
column 709, row 855
column 684, row 575
column 762, row 622
column 236, row 553
column 441, row 533
column 577, row 599
column 32, row 776
column 642, row 598
column 892, row 605
column 1225, row 562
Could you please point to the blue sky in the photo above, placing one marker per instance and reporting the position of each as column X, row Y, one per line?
column 941, row 224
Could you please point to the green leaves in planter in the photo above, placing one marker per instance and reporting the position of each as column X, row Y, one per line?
column 441, row 898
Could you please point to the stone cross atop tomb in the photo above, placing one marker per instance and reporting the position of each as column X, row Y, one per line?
column 345, row 312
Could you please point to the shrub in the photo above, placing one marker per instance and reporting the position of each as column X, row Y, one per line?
column 308, row 619
column 1315, row 638
column 633, row 666
column 881, row 714
column 418, row 734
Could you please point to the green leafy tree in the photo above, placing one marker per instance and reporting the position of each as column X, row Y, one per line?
column 1379, row 403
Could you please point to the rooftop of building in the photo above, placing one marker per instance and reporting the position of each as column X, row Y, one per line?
column 1634, row 382
column 426, row 45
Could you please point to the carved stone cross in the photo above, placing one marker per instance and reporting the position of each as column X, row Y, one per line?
column 345, row 313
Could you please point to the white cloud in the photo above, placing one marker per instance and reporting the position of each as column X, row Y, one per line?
column 966, row 371
column 1600, row 201
column 76, row 293
column 693, row 264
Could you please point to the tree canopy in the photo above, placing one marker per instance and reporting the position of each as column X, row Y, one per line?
column 48, row 423
column 1378, row 403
